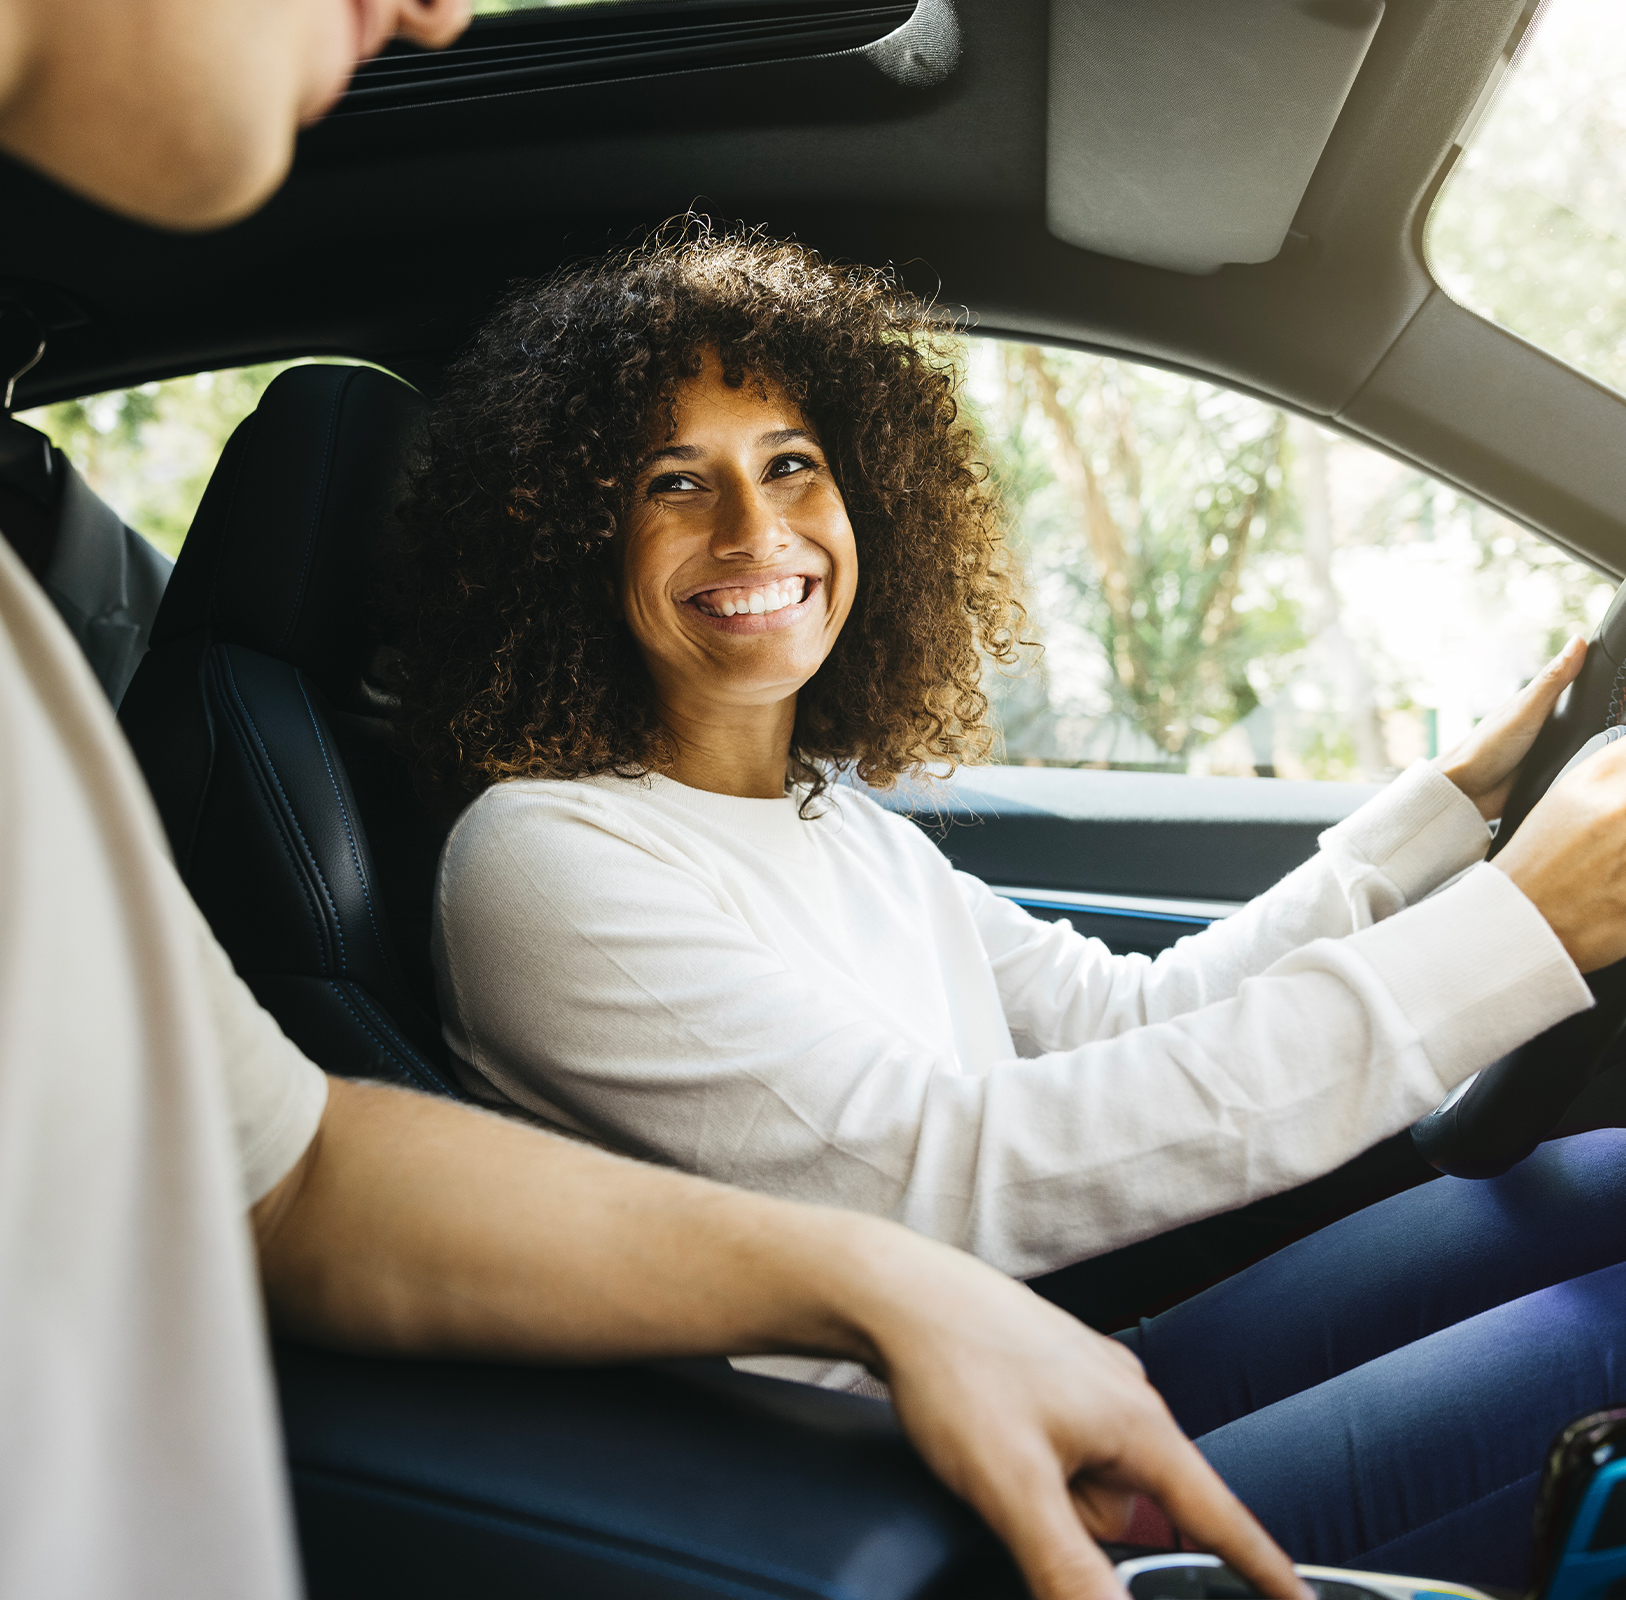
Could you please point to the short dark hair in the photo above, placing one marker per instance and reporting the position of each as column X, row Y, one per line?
column 513, row 663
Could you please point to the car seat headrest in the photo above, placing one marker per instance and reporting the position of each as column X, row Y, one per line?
column 295, row 519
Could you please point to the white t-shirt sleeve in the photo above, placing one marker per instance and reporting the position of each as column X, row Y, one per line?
column 1060, row 990
column 275, row 1094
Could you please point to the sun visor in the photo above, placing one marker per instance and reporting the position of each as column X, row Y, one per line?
column 1183, row 132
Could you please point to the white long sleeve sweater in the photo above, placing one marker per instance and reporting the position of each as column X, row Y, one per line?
column 826, row 1010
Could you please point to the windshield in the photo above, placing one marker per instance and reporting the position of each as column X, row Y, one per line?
column 1530, row 228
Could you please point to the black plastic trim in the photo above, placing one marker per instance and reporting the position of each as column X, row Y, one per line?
column 1038, row 901
column 548, row 49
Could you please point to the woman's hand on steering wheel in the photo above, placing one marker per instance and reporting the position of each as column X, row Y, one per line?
column 1485, row 764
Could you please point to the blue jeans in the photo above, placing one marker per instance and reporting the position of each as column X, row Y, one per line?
column 1381, row 1393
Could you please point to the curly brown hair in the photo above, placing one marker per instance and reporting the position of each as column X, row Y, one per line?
column 512, row 662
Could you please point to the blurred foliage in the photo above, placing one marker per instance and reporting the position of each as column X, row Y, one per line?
column 149, row 451
column 1217, row 588
column 1503, row 556
column 1530, row 228
column 1147, row 505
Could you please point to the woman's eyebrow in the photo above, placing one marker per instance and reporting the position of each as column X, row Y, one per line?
column 672, row 452
column 785, row 435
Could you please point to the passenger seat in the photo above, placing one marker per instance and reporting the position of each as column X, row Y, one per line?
column 266, row 742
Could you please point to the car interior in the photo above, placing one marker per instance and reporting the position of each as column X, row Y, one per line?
column 1236, row 193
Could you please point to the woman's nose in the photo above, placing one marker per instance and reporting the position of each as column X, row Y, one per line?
column 748, row 524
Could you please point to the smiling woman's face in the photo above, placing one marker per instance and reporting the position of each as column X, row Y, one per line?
column 738, row 566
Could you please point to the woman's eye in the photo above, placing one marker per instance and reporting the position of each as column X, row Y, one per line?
column 784, row 466
column 671, row 483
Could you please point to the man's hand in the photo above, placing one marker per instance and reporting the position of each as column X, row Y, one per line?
column 1569, row 858
column 1486, row 763
column 414, row 1225
column 1048, row 1429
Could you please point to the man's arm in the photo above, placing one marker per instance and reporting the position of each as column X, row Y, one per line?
column 417, row 1226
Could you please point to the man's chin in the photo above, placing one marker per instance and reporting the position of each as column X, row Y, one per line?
column 185, row 184
column 209, row 200
column 318, row 102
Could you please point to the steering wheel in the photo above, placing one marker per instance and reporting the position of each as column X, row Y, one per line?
column 1498, row 1116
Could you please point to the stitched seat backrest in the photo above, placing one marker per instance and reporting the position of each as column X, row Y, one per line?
column 264, row 736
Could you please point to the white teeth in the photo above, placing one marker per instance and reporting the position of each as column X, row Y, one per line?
column 753, row 602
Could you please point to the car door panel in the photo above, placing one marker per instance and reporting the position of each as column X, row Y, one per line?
column 1134, row 858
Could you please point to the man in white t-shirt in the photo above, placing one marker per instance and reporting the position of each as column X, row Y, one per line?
column 147, row 1103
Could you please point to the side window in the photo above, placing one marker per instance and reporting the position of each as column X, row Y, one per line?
column 148, row 451
column 1220, row 588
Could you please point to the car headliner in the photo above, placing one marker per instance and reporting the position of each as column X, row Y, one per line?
column 399, row 227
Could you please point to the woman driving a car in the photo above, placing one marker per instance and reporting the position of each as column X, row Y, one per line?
column 700, row 533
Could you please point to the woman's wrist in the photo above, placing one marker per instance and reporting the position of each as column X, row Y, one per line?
column 1487, row 801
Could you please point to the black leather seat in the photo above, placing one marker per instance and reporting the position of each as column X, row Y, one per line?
column 266, row 743
column 294, row 824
